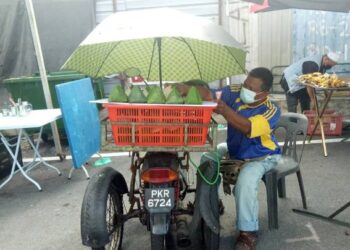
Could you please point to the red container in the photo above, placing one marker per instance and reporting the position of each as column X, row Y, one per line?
column 332, row 122
column 170, row 133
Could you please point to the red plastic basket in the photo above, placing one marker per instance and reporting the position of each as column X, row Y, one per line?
column 159, row 125
column 332, row 122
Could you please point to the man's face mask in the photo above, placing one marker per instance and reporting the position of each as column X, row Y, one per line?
column 247, row 96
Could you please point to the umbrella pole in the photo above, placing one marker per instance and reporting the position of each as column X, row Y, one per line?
column 159, row 43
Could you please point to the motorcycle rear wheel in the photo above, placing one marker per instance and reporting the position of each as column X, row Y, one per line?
column 115, row 227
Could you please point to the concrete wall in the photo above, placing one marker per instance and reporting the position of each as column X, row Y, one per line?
column 243, row 27
column 267, row 37
column 275, row 38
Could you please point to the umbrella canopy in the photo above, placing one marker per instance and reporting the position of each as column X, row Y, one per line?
column 164, row 44
column 326, row 5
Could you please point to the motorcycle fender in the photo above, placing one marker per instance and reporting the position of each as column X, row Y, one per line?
column 120, row 183
column 160, row 223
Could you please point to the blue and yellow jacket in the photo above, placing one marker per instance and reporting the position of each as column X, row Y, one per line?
column 263, row 118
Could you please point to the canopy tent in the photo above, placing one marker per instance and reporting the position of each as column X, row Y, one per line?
column 62, row 25
column 326, row 5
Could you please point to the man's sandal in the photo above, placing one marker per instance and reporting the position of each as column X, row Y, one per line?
column 246, row 241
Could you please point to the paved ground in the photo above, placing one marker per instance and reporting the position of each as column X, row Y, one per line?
column 51, row 219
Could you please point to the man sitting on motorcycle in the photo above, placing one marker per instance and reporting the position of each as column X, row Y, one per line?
column 251, row 118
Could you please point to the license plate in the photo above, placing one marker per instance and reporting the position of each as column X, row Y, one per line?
column 159, row 199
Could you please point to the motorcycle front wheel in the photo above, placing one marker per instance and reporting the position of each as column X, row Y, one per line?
column 211, row 240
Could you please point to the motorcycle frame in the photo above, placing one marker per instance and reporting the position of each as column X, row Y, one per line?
column 137, row 209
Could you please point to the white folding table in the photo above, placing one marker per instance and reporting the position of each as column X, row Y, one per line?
column 35, row 119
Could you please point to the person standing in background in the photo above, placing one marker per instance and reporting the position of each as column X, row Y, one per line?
column 297, row 93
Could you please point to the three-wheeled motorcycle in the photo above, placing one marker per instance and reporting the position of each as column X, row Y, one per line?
column 160, row 139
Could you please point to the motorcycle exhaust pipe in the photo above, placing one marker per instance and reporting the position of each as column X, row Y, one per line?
column 182, row 233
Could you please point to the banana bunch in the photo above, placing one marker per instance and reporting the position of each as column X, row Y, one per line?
column 322, row 80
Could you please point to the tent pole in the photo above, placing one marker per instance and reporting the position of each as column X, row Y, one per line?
column 42, row 70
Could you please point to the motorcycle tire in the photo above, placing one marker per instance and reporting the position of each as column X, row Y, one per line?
column 157, row 242
column 108, row 203
column 211, row 240
column 115, row 229
column 162, row 242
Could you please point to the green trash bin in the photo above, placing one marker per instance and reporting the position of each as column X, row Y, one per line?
column 29, row 88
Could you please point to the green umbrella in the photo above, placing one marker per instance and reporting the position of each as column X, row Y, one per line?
column 164, row 44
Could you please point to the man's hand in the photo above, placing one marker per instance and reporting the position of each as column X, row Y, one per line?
column 222, row 108
column 235, row 120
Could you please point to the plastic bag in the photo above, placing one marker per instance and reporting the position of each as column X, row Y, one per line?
column 193, row 96
column 117, row 95
column 156, row 96
column 136, row 95
column 174, row 97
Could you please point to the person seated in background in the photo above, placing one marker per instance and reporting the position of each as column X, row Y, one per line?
column 251, row 118
column 296, row 92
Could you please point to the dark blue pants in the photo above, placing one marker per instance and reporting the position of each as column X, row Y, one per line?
column 301, row 96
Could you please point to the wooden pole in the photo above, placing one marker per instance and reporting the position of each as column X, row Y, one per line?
column 42, row 70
